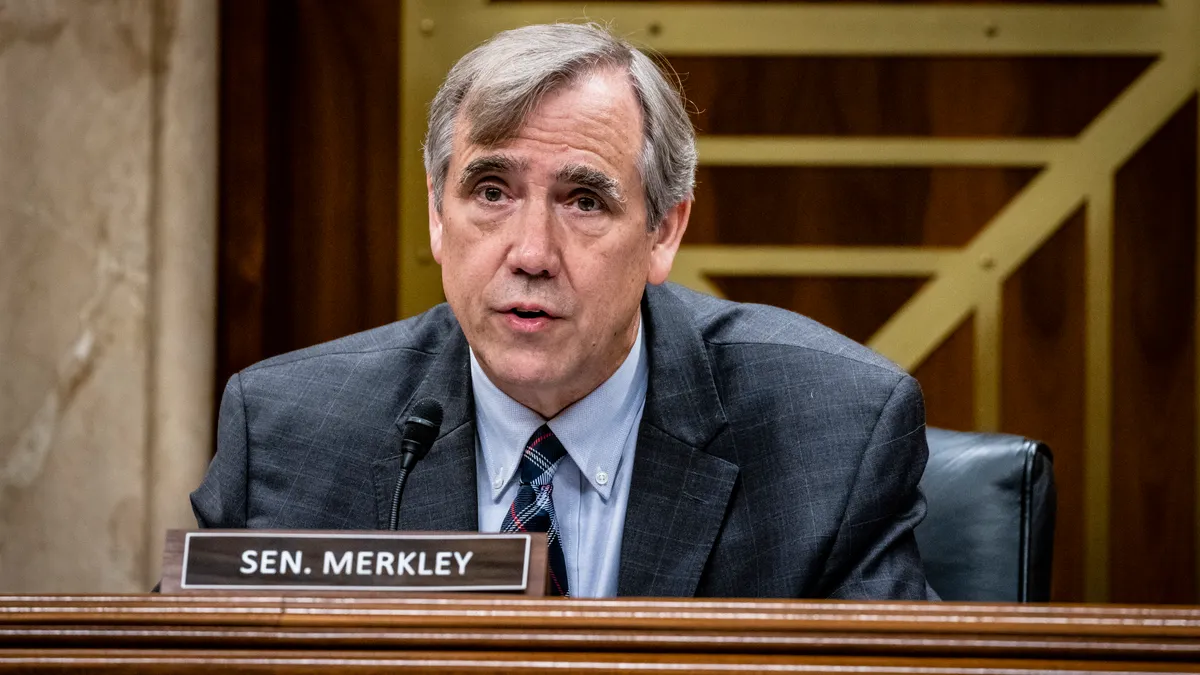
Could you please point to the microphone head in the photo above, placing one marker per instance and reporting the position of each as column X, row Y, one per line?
column 421, row 427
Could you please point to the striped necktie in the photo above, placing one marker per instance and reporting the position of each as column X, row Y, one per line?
column 533, row 509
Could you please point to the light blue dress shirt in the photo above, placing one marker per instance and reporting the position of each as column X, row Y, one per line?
column 591, row 484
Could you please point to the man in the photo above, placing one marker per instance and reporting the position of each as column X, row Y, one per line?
column 672, row 444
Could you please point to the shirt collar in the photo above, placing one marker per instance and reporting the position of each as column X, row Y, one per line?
column 594, row 430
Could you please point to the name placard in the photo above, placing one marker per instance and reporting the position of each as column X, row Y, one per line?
column 276, row 560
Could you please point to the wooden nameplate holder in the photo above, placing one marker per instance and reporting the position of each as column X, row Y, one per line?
column 320, row 561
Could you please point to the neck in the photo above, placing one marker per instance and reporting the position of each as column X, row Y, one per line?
column 550, row 401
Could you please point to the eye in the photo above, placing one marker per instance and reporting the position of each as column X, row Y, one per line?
column 492, row 194
column 587, row 203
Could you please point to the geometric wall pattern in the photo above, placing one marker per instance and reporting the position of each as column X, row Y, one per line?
column 947, row 291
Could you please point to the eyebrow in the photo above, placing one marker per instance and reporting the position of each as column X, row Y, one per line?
column 593, row 179
column 490, row 164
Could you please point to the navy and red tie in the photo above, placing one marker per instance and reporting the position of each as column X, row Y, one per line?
column 533, row 509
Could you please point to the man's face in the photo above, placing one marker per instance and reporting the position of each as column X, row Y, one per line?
column 544, row 247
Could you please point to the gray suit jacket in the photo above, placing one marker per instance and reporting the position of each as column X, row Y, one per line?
column 775, row 458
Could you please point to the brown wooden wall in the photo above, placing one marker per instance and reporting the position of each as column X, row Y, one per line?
column 308, row 174
column 309, row 223
column 1152, row 528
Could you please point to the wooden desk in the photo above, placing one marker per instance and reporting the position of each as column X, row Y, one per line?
column 477, row 634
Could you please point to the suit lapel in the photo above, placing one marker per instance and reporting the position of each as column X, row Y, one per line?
column 679, row 491
column 441, row 492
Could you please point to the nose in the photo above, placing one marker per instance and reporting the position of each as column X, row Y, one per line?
column 534, row 249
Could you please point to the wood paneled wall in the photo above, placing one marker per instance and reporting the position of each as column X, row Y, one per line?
column 1043, row 306
column 308, row 174
column 309, row 225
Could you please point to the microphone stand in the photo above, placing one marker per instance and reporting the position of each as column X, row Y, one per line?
column 407, row 462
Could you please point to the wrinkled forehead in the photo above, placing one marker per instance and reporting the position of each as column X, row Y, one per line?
column 594, row 119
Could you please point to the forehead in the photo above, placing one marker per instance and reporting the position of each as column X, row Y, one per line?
column 595, row 120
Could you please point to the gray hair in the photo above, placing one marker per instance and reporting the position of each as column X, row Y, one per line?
column 501, row 81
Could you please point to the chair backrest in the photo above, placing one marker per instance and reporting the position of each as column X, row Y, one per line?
column 989, row 532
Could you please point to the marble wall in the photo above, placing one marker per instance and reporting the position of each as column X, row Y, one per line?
column 107, row 298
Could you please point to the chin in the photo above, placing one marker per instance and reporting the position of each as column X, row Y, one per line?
column 523, row 369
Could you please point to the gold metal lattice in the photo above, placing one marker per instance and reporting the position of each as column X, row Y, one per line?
column 963, row 282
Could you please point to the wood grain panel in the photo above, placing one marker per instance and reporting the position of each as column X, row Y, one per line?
column 243, row 168
column 1154, row 369
column 948, row 381
column 465, row 633
column 1042, row 373
column 177, row 662
column 855, row 206
column 854, row 307
column 310, row 95
column 902, row 96
column 336, row 209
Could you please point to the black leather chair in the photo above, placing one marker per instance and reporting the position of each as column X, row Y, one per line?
column 989, row 532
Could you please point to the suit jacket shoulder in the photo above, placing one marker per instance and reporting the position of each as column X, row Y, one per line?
column 772, row 365
column 826, row 437
column 299, row 433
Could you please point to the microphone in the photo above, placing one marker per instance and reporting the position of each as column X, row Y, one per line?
column 420, row 430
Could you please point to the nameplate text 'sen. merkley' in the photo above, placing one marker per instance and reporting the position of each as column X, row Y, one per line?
column 347, row 561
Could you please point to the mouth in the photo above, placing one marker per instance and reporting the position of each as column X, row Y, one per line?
column 528, row 313
column 527, row 318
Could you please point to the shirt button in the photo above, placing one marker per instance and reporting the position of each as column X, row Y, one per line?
column 602, row 477
column 497, row 483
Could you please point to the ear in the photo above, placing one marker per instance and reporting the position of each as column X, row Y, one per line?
column 666, row 241
column 435, row 223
